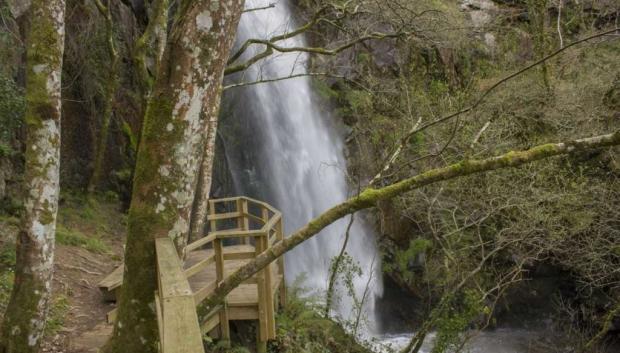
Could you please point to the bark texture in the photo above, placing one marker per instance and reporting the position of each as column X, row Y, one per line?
column 187, row 89
column 369, row 197
column 150, row 47
column 199, row 213
column 27, row 310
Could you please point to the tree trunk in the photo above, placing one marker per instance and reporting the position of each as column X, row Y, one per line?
column 150, row 46
column 199, row 212
column 187, row 87
column 110, row 93
column 26, row 313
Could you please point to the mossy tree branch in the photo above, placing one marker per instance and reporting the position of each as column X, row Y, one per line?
column 151, row 44
column 369, row 197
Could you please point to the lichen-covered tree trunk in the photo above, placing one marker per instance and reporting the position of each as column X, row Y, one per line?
column 24, row 321
column 199, row 213
column 187, row 88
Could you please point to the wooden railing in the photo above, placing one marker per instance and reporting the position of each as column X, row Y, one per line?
column 240, row 228
column 179, row 330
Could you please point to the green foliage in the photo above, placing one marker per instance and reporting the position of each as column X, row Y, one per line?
column 455, row 320
column 404, row 258
column 358, row 101
column 221, row 347
column 12, row 107
column 56, row 317
column 6, row 286
column 85, row 221
column 7, row 256
column 324, row 90
column 346, row 269
column 133, row 139
column 302, row 329
column 71, row 237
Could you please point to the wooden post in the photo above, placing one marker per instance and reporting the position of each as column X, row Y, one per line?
column 282, row 289
column 243, row 222
column 213, row 222
column 219, row 270
column 267, row 271
column 263, row 324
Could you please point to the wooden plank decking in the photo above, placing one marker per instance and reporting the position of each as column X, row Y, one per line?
column 243, row 300
column 182, row 285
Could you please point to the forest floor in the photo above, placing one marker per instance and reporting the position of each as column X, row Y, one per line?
column 89, row 245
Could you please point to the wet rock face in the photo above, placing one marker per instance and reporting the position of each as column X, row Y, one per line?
column 481, row 13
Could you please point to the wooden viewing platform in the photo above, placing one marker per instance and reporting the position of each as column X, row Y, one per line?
column 240, row 228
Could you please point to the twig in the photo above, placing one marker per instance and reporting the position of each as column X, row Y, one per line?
column 559, row 25
column 270, row 6
column 477, row 137
column 488, row 91
column 311, row 74
column 336, row 267
column 80, row 269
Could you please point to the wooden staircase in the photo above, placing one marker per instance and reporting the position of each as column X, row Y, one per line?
column 240, row 228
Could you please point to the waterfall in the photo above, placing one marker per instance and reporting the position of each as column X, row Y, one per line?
column 282, row 146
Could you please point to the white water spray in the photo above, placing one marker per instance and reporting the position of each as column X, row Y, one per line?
column 297, row 160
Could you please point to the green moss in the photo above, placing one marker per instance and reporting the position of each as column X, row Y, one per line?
column 7, row 257
column 6, row 286
column 56, row 317
column 133, row 139
column 301, row 328
column 71, row 237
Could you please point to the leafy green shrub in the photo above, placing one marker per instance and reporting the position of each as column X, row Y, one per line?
column 302, row 329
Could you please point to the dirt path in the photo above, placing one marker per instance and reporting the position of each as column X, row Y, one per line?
column 78, row 317
column 84, row 328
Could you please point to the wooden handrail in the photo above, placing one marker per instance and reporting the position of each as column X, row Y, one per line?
column 180, row 331
column 222, row 216
column 179, row 328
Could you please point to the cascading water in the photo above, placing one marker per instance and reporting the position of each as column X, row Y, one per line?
column 282, row 148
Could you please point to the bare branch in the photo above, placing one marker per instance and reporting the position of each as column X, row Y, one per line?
column 271, row 47
column 369, row 197
column 270, row 6
column 405, row 139
column 292, row 76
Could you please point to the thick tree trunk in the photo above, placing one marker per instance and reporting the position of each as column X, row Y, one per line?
column 188, row 87
column 26, row 313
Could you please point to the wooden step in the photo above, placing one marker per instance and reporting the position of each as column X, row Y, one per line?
column 111, row 284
